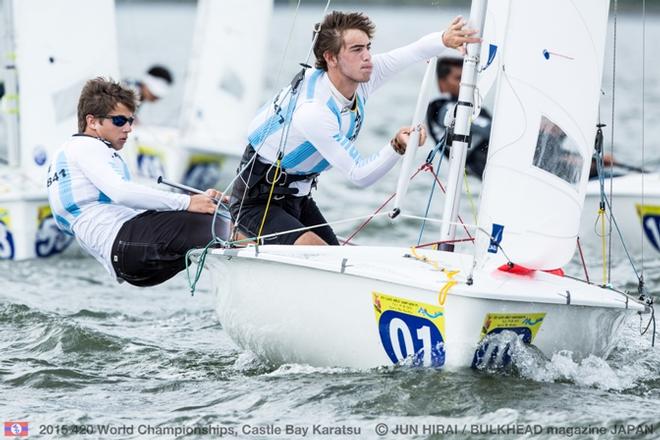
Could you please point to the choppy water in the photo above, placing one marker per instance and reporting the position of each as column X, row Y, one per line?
column 77, row 349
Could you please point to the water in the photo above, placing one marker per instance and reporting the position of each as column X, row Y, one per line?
column 78, row 349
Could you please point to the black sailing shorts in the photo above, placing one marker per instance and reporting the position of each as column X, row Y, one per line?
column 151, row 247
column 283, row 215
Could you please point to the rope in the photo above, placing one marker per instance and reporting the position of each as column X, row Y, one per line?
column 436, row 243
column 366, row 222
column 200, row 266
column 424, row 167
column 469, row 196
column 460, row 219
column 276, row 176
column 442, row 294
column 641, row 234
column 306, row 228
column 601, row 218
column 616, row 7
column 584, row 265
column 651, row 320
column 442, row 141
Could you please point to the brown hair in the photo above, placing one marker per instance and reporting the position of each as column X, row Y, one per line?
column 330, row 38
column 99, row 97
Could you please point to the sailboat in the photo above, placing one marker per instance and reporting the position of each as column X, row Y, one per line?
column 222, row 91
column 637, row 215
column 371, row 306
column 44, row 69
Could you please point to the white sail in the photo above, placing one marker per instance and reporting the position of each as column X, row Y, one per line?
column 58, row 46
column 225, row 80
column 544, row 124
column 492, row 37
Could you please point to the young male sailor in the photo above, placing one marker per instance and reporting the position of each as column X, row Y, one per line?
column 323, row 126
column 139, row 234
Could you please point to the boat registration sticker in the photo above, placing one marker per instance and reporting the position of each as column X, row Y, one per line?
column 410, row 331
column 650, row 218
column 6, row 238
column 525, row 324
column 50, row 240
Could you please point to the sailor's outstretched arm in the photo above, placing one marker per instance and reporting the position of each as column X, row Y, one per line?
column 389, row 63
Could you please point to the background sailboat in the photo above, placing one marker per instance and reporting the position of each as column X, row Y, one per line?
column 223, row 88
column 44, row 70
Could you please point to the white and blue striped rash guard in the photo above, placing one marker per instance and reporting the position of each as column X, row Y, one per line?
column 324, row 124
column 91, row 195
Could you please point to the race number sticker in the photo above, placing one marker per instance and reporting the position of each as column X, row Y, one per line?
column 525, row 324
column 410, row 330
column 6, row 237
column 650, row 218
column 494, row 353
column 150, row 162
column 50, row 240
column 204, row 170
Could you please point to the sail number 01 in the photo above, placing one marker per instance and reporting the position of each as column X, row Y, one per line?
column 411, row 337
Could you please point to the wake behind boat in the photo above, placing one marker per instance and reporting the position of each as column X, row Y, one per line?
column 369, row 306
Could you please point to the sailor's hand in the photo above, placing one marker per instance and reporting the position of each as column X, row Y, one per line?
column 457, row 35
column 216, row 195
column 205, row 203
column 400, row 141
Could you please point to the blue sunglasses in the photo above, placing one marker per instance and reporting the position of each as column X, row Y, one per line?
column 119, row 120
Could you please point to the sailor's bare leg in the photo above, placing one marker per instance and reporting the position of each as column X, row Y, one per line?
column 310, row 239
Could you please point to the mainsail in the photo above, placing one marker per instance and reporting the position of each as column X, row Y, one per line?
column 542, row 140
column 225, row 80
column 58, row 47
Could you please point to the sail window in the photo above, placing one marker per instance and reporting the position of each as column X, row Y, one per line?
column 557, row 153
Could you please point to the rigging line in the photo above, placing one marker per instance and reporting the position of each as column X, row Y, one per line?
column 288, row 43
column 609, row 264
column 385, row 203
column 641, row 234
column 293, row 100
column 584, row 265
column 307, row 228
column 623, row 243
column 428, row 204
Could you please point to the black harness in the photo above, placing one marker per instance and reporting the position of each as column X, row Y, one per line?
column 258, row 178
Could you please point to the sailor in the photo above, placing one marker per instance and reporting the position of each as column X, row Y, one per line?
column 324, row 124
column 154, row 85
column 139, row 234
column 440, row 111
column 448, row 72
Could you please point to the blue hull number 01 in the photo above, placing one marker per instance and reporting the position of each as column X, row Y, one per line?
column 411, row 337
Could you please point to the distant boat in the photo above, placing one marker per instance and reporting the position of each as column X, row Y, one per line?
column 222, row 91
column 638, row 218
column 47, row 67
column 369, row 306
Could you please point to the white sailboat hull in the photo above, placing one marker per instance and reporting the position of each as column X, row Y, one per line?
column 299, row 306
column 27, row 227
column 638, row 220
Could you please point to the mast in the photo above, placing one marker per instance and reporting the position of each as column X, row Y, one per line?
column 10, row 100
column 460, row 138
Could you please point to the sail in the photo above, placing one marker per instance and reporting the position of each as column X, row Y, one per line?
column 58, row 46
column 544, row 124
column 226, row 72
